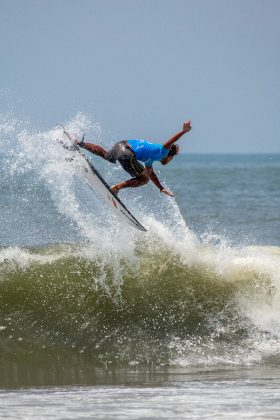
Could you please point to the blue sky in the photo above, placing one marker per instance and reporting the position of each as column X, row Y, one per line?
column 141, row 67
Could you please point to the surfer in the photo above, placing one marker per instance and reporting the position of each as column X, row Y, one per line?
column 129, row 152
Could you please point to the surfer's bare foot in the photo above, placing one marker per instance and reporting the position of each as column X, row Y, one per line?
column 115, row 189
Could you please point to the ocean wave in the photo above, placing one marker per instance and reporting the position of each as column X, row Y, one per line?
column 162, row 306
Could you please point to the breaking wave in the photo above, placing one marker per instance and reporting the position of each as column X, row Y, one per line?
column 205, row 306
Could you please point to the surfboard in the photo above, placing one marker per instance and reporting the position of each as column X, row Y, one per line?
column 99, row 185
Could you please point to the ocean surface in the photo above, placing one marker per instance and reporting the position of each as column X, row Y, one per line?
column 99, row 320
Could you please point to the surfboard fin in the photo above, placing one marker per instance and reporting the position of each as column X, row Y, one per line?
column 83, row 139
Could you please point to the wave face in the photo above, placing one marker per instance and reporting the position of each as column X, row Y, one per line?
column 206, row 307
column 75, row 282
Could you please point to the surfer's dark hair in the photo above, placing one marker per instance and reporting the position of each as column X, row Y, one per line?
column 174, row 150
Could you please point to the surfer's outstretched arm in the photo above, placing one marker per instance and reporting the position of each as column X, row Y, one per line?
column 186, row 127
column 94, row 148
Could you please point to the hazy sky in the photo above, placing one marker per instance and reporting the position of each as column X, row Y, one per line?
column 141, row 67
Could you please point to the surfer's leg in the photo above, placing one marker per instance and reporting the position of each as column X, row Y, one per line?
column 95, row 149
column 130, row 164
column 110, row 155
column 138, row 181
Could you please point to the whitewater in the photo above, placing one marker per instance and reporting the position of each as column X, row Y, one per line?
column 86, row 299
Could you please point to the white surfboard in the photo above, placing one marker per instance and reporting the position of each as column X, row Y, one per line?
column 98, row 184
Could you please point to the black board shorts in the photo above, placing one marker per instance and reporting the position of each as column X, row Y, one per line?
column 122, row 153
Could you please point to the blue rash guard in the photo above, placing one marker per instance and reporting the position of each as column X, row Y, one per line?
column 148, row 152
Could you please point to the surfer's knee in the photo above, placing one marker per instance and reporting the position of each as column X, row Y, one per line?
column 144, row 178
column 147, row 173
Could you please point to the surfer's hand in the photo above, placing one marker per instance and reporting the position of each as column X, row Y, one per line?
column 187, row 126
column 163, row 190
